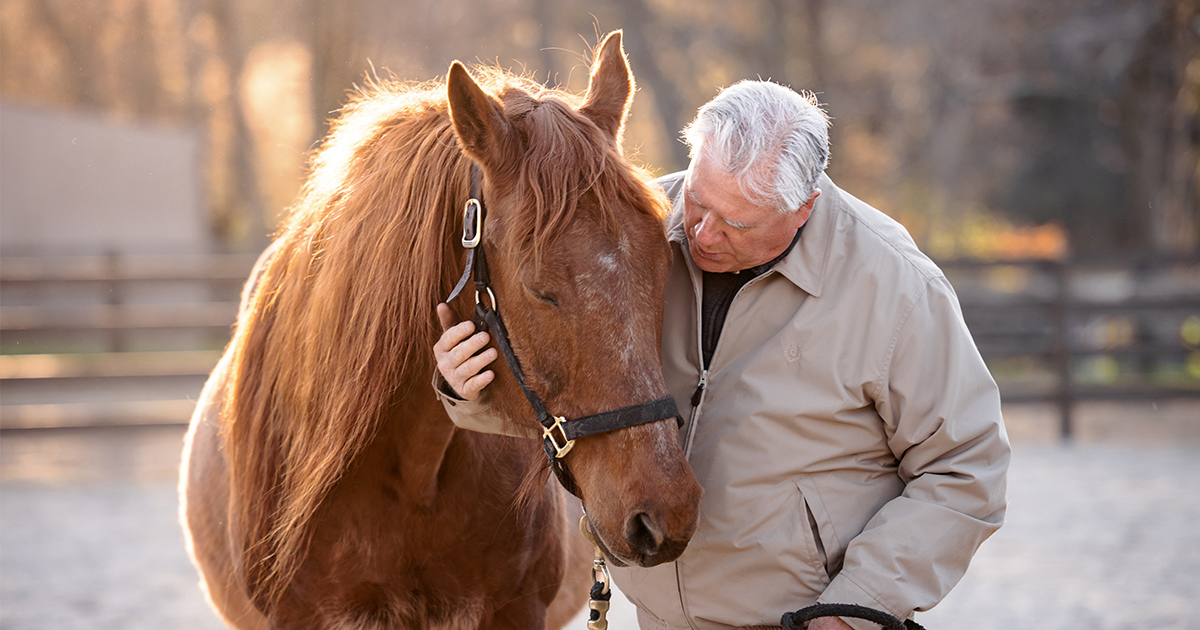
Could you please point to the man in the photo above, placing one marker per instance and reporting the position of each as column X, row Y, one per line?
column 844, row 428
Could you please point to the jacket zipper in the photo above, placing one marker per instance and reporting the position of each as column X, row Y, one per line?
column 693, row 418
column 697, row 399
column 699, row 393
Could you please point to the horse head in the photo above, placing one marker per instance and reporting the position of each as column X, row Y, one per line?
column 578, row 259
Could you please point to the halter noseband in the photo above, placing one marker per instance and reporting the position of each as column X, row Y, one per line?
column 558, row 433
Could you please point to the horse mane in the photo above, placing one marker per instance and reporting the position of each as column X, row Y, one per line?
column 341, row 322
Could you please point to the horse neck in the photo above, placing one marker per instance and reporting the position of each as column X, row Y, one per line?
column 413, row 438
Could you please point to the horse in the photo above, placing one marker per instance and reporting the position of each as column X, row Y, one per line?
column 322, row 483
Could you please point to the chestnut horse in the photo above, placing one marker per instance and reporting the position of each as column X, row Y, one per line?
column 323, row 485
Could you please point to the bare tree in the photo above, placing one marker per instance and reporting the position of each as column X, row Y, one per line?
column 644, row 62
column 245, row 204
column 79, row 51
column 335, row 44
column 1159, row 130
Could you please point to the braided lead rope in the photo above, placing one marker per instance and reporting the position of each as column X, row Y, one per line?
column 797, row 620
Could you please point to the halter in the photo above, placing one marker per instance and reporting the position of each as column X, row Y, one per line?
column 558, row 433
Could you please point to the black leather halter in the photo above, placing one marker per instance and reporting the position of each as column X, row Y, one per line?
column 558, row 433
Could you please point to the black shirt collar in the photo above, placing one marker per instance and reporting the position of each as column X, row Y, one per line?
column 759, row 270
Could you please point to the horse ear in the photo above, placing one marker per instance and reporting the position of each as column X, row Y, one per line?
column 610, row 88
column 483, row 131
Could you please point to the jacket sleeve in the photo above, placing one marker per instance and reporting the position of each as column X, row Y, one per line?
column 941, row 413
column 476, row 415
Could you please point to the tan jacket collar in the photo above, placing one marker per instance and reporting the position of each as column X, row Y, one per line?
column 805, row 265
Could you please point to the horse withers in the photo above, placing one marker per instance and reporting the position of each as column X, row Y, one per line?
column 323, row 485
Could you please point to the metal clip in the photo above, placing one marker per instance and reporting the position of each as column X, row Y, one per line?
column 597, row 620
column 548, row 433
column 601, row 608
column 600, row 576
column 587, row 531
column 600, row 572
column 472, row 224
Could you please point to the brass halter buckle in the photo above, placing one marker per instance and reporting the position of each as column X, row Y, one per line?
column 472, row 224
column 566, row 445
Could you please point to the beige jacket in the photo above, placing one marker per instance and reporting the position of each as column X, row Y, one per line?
column 848, row 438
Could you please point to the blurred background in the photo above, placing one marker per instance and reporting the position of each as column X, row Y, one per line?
column 1045, row 152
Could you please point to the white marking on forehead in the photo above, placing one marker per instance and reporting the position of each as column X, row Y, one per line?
column 632, row 343
column 608, row 262
column 627, row 338
column 623, row 244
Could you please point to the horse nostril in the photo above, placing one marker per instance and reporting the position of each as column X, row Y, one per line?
column 641, row 534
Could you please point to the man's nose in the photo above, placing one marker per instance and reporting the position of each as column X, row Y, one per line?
column 706, row 231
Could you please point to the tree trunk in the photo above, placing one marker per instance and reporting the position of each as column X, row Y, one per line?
column 638, row 17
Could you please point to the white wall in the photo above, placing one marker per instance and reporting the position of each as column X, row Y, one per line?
column 81, row 184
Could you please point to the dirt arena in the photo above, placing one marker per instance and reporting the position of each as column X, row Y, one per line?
column 1102, row 533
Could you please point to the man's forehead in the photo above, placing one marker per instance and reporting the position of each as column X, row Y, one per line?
column 726, row 199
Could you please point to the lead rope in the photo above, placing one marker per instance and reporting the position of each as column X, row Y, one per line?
column 601, row 592
column 799, row 619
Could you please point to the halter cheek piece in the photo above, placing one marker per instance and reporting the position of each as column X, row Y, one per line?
column 558, row 433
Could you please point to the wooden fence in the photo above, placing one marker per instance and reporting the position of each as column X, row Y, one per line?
column 113, row 340
column 1116, row 329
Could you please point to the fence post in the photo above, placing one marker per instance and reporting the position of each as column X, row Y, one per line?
column 116, row 299
column 1061, row 351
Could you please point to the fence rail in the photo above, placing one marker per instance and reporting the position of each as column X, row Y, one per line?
column 1130, row 316
column 112, row 340
column 101, row 340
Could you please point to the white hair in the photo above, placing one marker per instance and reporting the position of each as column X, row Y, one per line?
column 774, row 140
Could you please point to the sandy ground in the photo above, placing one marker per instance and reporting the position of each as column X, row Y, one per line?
column 1101, row 533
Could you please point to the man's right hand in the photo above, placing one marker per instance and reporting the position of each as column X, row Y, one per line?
column 455, row 352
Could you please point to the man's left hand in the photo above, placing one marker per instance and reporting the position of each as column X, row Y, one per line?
column 828, row 623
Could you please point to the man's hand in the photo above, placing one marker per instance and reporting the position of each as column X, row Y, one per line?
column 454, row 352
column 828, row 623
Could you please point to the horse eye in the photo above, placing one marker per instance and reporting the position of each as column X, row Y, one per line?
column 547, row 298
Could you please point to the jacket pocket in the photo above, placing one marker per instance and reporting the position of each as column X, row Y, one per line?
column 816, row 555
column 824, row 535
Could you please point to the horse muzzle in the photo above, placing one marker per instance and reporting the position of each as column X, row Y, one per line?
column 642, row 542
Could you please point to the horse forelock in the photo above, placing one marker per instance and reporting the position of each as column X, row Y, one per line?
column 340, row 323
column 563, row 157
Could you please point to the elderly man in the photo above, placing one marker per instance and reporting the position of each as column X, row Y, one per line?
column 844, row 428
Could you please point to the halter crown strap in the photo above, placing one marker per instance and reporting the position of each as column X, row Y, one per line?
column 559, row 434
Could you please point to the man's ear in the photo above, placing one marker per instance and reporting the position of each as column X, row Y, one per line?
column 805, row 211
column 483, row 131
column 610, row 88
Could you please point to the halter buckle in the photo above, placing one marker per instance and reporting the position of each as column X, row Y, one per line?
column 472, row 224
column 548, row 433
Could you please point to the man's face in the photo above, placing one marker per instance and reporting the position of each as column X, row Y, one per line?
column 727, row 232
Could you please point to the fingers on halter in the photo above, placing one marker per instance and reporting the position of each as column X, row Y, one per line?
column 469, row 347
column 452, row 337
column 475, row 363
